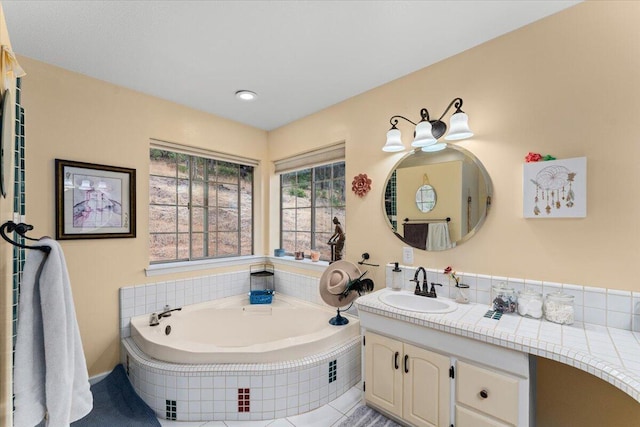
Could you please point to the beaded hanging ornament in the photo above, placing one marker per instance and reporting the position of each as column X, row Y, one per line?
column 553, row 184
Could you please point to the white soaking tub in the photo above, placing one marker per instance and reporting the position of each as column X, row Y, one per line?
column 230, row 330
column 229, row 360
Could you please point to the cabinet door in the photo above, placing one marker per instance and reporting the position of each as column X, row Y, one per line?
column 468, row 418
column 426, row 387
column 383, row 373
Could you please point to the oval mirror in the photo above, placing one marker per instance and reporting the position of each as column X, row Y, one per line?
column 426, row 198
column 464, row 197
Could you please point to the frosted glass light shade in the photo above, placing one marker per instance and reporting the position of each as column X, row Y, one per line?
column 459, row 127
column 394, row 142
column 423, row 137
column 435, row 147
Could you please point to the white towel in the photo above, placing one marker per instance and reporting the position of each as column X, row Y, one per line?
column 50, row 372
column 438, row 237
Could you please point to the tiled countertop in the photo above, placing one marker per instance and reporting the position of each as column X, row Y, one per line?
column 608, row 353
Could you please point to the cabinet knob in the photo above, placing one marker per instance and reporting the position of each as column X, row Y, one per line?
column 484, row 394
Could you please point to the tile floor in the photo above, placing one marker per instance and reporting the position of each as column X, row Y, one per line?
column 330, row 415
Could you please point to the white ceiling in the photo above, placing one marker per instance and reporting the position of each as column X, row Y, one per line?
column 299, row 56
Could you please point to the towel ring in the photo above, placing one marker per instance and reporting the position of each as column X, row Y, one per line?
column 21, row 229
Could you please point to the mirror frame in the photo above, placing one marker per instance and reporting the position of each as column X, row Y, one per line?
column 485, row 176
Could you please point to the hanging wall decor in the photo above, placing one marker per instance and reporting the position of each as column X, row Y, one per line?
column 361, row 184
column 555, row 189
column 94, row 201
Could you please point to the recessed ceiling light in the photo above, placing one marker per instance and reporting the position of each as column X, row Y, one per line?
column 246, row 95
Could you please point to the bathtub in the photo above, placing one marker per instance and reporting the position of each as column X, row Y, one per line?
column 229, row 360
column 230, row 330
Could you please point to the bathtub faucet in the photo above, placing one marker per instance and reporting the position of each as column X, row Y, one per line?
column 167, row 313
column 154, row 320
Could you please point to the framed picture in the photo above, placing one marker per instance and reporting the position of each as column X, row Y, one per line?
column 94, row 201
column 555, row 189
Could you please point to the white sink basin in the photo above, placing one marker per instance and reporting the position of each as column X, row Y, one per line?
column 411, row 302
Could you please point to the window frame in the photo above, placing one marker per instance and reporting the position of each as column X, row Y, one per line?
column 312, row 205
column 193, row 157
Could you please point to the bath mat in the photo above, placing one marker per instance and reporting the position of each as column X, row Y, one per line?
column 115, row 403
column 368, row 417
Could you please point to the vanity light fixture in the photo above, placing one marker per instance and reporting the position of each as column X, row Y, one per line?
column 428, row 131
column 435, row 147
column 246, row 95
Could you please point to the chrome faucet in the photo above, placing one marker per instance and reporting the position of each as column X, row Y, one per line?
column 424, row 291
column 154, row 320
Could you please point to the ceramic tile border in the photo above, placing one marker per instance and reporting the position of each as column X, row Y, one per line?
column 599, row 306
column 608, row 353
column 210, row 391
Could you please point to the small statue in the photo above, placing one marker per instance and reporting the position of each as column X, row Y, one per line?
column 336, row 241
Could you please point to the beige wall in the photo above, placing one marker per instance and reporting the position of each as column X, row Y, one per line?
column 567, row 85
column 73, row 117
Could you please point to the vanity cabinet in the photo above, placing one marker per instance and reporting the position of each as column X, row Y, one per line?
column 451, row 380
column 406, row 381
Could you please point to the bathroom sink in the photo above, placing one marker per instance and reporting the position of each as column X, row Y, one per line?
column 411, row 302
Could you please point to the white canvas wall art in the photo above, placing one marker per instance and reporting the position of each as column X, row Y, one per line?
column 555, row 189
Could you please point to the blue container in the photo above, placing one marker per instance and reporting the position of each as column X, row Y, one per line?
column 278, row 252
column 261, row 297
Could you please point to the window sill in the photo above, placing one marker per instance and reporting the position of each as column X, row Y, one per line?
column 206, row 264
column 305, row 264
column 203, row 264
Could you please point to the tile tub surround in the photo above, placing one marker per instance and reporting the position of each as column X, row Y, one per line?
column 194, row 402
column 598, row 306
column 610, row 354
column 211, row 392
column 153, row 297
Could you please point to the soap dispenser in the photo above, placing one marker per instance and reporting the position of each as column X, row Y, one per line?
column 396, row 278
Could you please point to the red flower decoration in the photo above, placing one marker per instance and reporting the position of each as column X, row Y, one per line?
column 533, row 157
column 449, row 271
column 361, row 184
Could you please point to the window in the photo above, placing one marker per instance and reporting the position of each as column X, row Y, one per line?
column 310, row 199
column 198, row 207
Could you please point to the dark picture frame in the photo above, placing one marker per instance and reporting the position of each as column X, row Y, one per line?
column 94, row 201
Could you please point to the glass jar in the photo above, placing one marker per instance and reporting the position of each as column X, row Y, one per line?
column 558, row 308
column 504, row 299
column 462, row 294
column 530, row 304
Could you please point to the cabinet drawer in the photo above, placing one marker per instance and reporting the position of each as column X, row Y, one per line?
column 490, row 392
column 469, row 418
